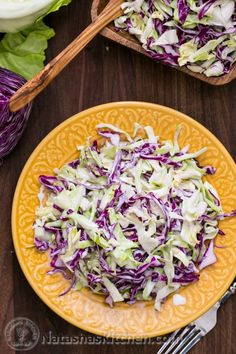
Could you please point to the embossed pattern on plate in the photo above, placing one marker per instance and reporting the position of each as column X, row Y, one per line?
column 84, row 309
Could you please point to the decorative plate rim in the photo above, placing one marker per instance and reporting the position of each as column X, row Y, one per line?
column 63, row 125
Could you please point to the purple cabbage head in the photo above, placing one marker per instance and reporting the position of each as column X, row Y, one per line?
column 12, row 125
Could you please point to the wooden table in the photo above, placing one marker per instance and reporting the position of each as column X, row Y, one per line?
column 103, row 72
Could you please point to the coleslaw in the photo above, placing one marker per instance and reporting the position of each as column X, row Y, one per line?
column 132, row 218
column 199, row 34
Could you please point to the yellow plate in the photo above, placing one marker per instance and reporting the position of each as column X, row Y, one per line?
column 84, row 309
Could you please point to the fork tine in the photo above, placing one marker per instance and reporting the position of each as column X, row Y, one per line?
column 177, row 339
column 173, row 335
column 189, row 336
column 194, row 341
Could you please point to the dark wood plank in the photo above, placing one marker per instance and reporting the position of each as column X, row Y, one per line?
column 103, row 72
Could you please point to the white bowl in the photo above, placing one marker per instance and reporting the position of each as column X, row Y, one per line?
column 18, row 14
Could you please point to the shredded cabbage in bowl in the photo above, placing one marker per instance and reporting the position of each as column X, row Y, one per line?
column 199, row 34
column 132, row 218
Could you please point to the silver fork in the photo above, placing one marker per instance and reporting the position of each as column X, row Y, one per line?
column 182, row 340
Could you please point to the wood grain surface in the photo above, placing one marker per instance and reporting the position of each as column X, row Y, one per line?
column 103, row 72
column 37, row 84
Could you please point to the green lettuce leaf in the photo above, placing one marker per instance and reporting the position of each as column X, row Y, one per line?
column 55, row 7
column 24, row 52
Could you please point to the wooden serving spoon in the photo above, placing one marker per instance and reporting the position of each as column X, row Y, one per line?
column 33, row 87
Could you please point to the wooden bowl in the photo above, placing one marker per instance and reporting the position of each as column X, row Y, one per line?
column 129, row 41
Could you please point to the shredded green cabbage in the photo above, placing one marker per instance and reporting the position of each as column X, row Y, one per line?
column 131, row 218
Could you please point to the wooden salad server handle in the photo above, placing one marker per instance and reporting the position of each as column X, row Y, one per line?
column 34, row 86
